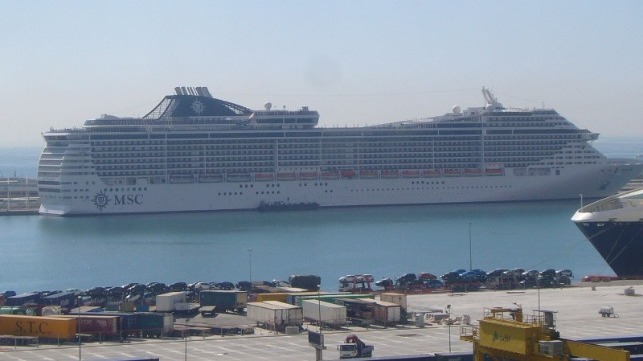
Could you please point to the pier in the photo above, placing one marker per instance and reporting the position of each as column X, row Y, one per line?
column 19, row 196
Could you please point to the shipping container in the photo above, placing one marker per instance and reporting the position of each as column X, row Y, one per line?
column 51, row 311
column 155, row 324
column 224, row 300
column 294, row 296
column 166, row 302
column 275, row 296
column 99, row 326
column 332, row 297
column 24, row 298
column 38, row 326
column 127, row 322
column 398, row 298
column 12, row 310
column 329, row 313
column 275, row 315
column 387, row 313
column 362, row 309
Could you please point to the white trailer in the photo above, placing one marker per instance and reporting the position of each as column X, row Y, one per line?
column 398, row 298
column 166, row 302
column 387, row 313
column 275, row 315
column 330, row 313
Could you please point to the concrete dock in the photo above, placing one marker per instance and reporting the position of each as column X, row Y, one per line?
column 577, row 317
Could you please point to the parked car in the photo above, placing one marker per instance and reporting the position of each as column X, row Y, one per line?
column 426, row 276
column 178, row 286
column 384, row 282
column 475, row 275
column 565, row 273
column 496, row 272
column 433, row 284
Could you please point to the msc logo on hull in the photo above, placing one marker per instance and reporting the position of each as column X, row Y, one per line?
column 101, row 199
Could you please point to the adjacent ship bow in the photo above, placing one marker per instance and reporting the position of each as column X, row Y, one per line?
column 614, row 226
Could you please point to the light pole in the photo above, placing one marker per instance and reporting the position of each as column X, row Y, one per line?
column 470, row 261
column 78, row 329
column 319, row 351
column 449, row 324
column 250, row 268
column 319, row 308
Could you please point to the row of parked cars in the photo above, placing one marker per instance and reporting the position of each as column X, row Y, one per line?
column 139, row 291
column 496, row 279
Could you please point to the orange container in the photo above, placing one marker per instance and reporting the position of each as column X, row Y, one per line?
column 37, row 326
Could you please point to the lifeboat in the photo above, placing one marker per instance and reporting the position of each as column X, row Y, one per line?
column 452, row 172
column 264, row 177
column 308, row 175
column 238, row 177
column 367, row 173
column 431, row 173
column 494, row 171
column 473, row 172
column 182, row 178
column 347, row 173
column 288, row 176
column 410, row 173
column 210, row 178
column 330, row 175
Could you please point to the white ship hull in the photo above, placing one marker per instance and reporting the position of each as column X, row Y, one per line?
column 194, row 152
column 595, row 182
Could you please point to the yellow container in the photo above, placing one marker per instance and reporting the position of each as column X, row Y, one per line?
column 277, row 296
column 36, row 326
column 514, row 337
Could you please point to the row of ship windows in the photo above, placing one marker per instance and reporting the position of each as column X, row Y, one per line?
column 350, row 161
column 112, row 173
column 468, row 162
column 350, row 138
column 427, row 188
column 400, row 140
column 260, row 193
column 424, row 146
column 376, row 153
column 402, row 158
column 450, row 163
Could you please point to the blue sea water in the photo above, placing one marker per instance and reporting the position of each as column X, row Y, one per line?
column 44, row 253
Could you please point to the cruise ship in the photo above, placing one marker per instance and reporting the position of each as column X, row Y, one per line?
column 194, row 152
column 614, row 226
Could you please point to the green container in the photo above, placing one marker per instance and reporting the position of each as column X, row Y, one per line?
column 12, row 310
column 223, row 300
column 331, row 298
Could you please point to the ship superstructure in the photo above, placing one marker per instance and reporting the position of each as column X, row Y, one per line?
column 614, row 226
column 194, row 152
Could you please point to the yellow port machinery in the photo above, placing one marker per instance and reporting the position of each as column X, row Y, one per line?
column 506, row 334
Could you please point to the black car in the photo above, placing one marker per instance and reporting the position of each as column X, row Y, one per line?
column 178, row 286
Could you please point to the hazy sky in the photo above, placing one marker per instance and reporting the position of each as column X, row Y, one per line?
column 356, row 62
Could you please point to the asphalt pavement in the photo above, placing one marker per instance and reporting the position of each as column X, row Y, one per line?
column 577, row 316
